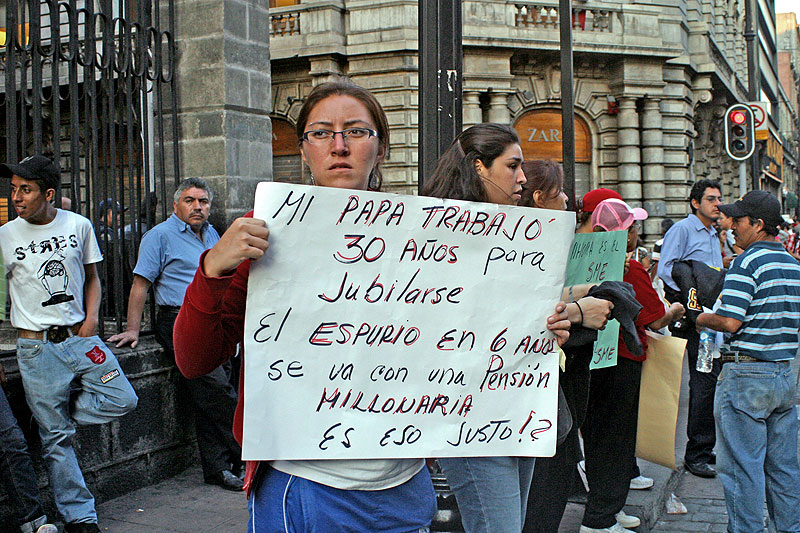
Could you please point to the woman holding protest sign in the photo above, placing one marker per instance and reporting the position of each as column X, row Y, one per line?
column 552, row 480
column 484, row 164
column 344, row 136
column 609, row 430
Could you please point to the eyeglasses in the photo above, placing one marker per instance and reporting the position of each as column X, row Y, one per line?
column 636, row 226
column 319, row 137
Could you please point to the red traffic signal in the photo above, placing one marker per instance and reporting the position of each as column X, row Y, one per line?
column 738, row 117
column 739, row 131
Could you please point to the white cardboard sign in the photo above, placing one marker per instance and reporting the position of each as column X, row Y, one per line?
column 389, row 326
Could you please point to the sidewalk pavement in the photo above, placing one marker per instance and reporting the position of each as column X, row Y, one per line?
column 704, row 498
column 183, row 503
column 186, row 504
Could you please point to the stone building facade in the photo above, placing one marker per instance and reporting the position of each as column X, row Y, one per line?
column 652, row 81
column 789, row 74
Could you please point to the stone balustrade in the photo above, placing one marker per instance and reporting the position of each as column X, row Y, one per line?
column 538, row 15
column 281, row 24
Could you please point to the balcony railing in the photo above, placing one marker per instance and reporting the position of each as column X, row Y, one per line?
column 284, row 24
column 541, row 16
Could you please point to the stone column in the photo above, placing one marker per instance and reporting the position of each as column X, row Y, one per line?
column 629, row 154
column 498, row 107
column 471, row 113
column 654, row 189
column 224, row 99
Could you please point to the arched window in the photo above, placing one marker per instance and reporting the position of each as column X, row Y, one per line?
column 540, row 133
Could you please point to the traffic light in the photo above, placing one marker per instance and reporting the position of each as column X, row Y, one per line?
column 739, row 131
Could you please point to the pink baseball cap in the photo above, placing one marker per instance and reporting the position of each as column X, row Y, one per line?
column 613, row 215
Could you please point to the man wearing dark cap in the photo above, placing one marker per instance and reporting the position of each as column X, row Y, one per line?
column 694, row 238
column 50, row 258
column 754, row 402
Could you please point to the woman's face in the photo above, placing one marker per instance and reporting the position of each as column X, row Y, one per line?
column 555, row 199
column 633, row 236
column 341, row 163
column 503, row 179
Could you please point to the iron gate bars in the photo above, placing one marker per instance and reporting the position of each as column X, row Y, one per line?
column 90, row 83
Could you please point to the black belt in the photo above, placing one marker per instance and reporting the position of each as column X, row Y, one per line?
column 174, row 309
column 731, row 357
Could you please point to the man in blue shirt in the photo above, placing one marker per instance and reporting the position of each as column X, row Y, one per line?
column 754, row 402
column 695, row 238
column 168, row 258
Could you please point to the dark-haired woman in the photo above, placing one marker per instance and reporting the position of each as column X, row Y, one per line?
column 484, row 164
column 552, row 480
column 344, row 136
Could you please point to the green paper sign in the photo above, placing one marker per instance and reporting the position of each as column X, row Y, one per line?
column 595, row 258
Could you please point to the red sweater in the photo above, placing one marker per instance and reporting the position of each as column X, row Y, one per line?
column 207, row 330
column 652, row 310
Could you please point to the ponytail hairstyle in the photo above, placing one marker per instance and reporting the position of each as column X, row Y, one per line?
column 543, row 175
column 456, row 176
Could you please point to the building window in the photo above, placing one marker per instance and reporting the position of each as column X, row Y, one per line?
column 282, row 3
column 287, row 163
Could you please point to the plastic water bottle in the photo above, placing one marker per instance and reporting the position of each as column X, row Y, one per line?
column 707, row 349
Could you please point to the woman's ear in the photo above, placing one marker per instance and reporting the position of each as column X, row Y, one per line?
column 480, row 168
column 537, row 198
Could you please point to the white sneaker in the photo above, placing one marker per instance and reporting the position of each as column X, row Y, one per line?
column 616, row 528
column 582, row 473
column 626, row 520
column 641, row 483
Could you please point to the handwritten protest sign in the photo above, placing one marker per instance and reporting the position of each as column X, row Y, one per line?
column 595, row 258
column 382, row 326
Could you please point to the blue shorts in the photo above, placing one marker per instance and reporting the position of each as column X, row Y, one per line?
column 280, row 502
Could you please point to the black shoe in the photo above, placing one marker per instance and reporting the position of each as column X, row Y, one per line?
column 226, row 479
column 238, row 470
column 700, row 469
column 81, row 527
column 713, row 459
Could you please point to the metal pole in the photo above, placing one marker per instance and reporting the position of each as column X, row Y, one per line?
column 440, row 80
column 753, row 75
column 567, row 97
column 742, row 178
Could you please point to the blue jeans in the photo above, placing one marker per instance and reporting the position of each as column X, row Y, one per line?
column 757, row 445
column 280, row 503
column 491, row 492
column 16, row 469
column 105, row 394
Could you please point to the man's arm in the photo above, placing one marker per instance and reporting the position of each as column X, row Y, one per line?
column 136, row 301
column 91, row 301
column 718, row 323
column 674, row 312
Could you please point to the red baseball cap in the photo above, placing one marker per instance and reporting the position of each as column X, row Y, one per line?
column 594, row 197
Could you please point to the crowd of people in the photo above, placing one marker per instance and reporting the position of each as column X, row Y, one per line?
column 742, row 407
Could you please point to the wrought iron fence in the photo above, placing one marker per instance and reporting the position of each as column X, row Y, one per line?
column 90, row 83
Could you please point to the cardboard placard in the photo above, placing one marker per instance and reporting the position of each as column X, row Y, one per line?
column 389, row 326
column 594, row 258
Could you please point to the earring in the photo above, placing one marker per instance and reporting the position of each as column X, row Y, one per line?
column 312, row 179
